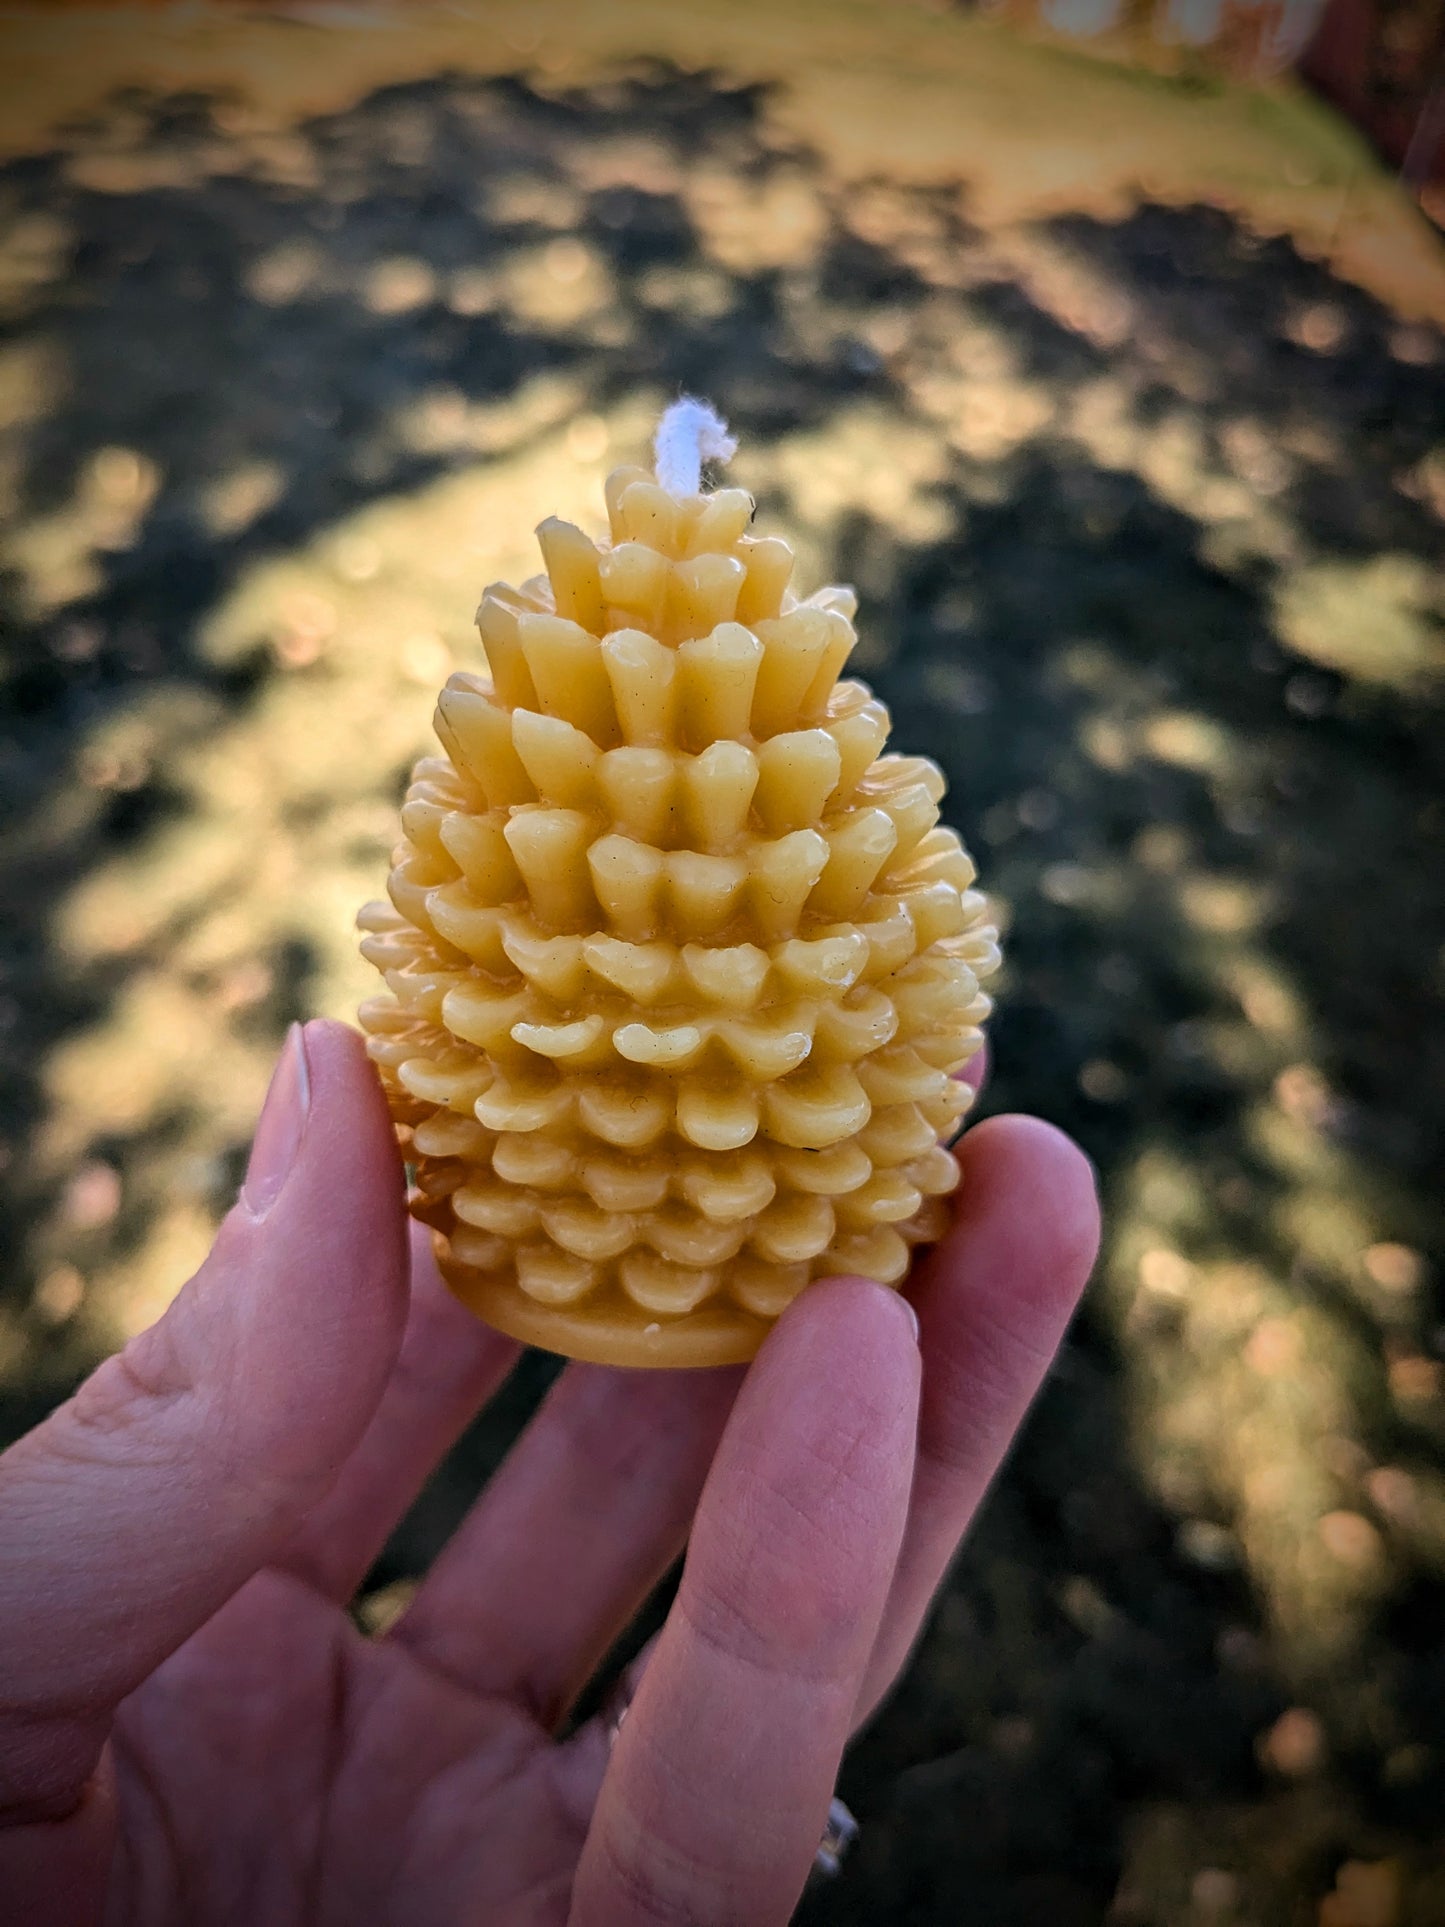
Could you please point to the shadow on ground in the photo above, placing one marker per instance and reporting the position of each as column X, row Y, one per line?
column 1145, row 517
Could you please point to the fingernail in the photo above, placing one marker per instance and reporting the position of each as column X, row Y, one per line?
column 909, row 1313
column 279, row 1130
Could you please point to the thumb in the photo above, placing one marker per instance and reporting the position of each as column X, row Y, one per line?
column 185, row 1462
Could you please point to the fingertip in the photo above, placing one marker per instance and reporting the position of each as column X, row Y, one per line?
column 346, row 1187
column 350, row 1182
column 328, row 1036
column 1033, row 1138
column 876, row 1304
column 857, row 1317
column 348, row 1106
column 1039, row 1177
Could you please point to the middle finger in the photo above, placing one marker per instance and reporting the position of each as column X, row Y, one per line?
column 713, row 1801
column 583, row 1518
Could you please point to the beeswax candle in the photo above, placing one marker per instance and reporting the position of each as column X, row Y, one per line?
column 680, row 966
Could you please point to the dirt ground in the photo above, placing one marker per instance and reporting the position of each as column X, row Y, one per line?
column 1141, row 476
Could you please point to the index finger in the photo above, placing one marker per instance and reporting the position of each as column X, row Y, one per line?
column 717, row 1792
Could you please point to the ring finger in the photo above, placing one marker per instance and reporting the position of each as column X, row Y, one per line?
column 591, row 1506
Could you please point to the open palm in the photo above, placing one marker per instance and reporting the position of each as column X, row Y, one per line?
column 193, row 1731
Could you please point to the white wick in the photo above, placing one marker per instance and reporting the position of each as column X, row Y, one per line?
column 690, row 433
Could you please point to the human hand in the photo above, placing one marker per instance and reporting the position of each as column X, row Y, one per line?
column 191, row 1729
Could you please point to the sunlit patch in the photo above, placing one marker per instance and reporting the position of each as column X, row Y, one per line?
column 132, row 1294
column 1382, row 620
column 59, row 556
column 1069, row 884
column 587, row 438
column 119, row 766
column 473, row 291
column 974, row 386
column 1165, row 1273
column 699, row 291
column 234, row 501
column 1350, row 1538
column 32, row 381
column 1255, row 455
column 1103, row 1082
column 567, row 259
column 1226, row 490
column 59, row 1294
column 1302, row 1093
column 425, row 659
column 1266, row 997
column 34, row 252
column 1296, row 1746
column 399, row 285
column 1190, row 741
column 1072, row 289
column 531, row 200
column 1203, row 1542
column 1243, row 1399
column 1415, row 1380
column 356, row 557
column 747, row 225
column 1425, row 482
column 308, row 621
column 990, row 422
column 864, row 461
column 557, row 286
column 1395, row 1268
column 1324, row 1228
column 1415, row 343
column 1321, row 327
column 92, row 1197
column 1163, row 848
column 243, row 983
column 1225, row 906
column 1108, row 742
column 1039, row 809
column 286, row 273
column 1366, row 1893
column 630, row 157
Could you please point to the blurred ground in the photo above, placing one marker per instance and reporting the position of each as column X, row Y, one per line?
column 1140, row 471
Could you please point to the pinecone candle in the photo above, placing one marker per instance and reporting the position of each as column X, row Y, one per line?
column 679, row 969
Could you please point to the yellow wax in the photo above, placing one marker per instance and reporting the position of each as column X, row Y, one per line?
column 680, row 970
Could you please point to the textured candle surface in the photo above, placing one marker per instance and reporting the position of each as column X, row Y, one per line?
column 680, row 968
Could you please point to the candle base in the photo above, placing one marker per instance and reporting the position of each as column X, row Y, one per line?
column 617, row 1333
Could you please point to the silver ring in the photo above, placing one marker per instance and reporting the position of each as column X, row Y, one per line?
column 838, row 1835
column 619, row 1700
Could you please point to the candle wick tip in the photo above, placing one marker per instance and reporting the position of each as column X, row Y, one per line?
column 690, row 433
